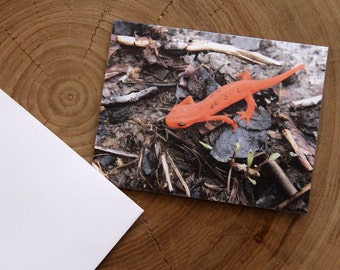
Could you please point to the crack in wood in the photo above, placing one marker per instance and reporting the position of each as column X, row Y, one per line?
column 165, row 10
column 28, row 55
column 155, row 241
column 101, row 19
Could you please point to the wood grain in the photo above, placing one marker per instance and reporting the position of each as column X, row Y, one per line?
column 53, row 57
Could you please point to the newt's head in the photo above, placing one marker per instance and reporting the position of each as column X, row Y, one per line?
column 181, row 116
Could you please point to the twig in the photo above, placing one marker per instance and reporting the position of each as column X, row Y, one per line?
column 132, row 97
column 307, row 102
column 98, row 167
column 229, row 177
column 281, row 177
column 244, row 169
column 132, row 72
column 170, row 84
column 307, row 151
column 294, row 197
column 115, row 70
column 301, row 156
column 228, row 49
column 197, row 156
column 116, row 151
column 188, row 146
column 162, row 84
column 200, row 45
column 178, row 174
column 166, row 172
column 234, row 194
column 212, row 169
column 139, row 168
column 109, row 75
column 138, row 42
column 232, row 162
column 124, row 165
column 173, row 134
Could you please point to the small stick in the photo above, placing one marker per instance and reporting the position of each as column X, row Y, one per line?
column 234, row 196
column 180, row 177
column 188, row 146
column 244, row 169
column 306, row 149
column 162, row 84
column 98, row 167
column 294, row 197
column 197, row 156
column 301, row 156
column 202, row 45
column 282, row 178
column 228, row 49
column 307, row 102
column 229, row 178
column 116, row 151
column 186, row 143
column 139, row 168
column 132, row 41
column 125, row 165
column 231, row 163
column 132, row 97
column 166, row 172
column 109, row 75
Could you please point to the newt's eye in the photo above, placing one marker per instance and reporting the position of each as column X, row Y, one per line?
column 181, row 124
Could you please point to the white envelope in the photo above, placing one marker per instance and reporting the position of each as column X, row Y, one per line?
column 56, row 210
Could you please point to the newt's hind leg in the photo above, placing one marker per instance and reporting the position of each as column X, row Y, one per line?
column 250, row 109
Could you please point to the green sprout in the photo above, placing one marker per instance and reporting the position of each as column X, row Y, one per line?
column 205, row 145
column 251, row 180
column 250, row 158
column 292, row 154
column 273, row 157
column 252, row 171
column 237, row 147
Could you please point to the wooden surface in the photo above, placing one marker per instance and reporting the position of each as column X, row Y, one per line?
column 52, row 58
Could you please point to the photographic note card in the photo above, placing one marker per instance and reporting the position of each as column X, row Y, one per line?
column 211, row 116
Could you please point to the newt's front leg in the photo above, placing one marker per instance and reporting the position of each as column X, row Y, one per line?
column 250, row 109
column 223, row 118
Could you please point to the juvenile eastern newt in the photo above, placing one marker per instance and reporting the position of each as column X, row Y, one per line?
column 188, row 112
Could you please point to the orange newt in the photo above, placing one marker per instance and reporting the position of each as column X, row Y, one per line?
column 188, row 112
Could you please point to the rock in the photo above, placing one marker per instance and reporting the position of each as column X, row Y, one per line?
column 252, row 137
column 249, row 44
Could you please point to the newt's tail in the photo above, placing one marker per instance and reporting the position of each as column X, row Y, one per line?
column 266, row 83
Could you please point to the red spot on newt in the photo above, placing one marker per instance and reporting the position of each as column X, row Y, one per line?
column 188, row 112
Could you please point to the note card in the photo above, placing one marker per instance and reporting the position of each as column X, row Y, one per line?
column 56, row 210
column 211, row 116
